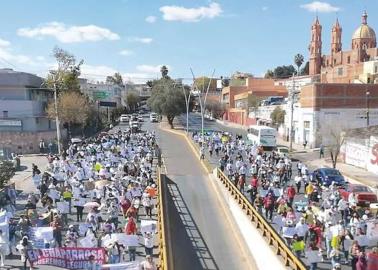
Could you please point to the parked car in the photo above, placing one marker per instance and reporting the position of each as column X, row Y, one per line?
column 140, row 118
column 124, row 118
column 325, row 176
column 364, row 195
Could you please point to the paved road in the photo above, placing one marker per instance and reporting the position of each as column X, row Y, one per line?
column 203, row 238
column 195, row 124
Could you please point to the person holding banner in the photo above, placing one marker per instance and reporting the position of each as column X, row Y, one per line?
column 92, row 264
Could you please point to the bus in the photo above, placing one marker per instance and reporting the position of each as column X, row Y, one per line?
column 262, row 135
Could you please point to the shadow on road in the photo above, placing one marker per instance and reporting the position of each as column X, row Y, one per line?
column 189, row 250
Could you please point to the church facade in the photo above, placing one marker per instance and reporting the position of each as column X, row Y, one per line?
column 358, row 65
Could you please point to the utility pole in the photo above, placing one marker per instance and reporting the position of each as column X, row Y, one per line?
column 57, row 117
column 291, row 115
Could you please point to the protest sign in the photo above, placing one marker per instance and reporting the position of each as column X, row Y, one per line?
column 363, row 240
column 148, row 226
column 68, row 258
column 88, row 241
column 45, row 233
column 83, row 227
column 79, row 202
column 288, row 232
column 313, row 256
column 372, row 229
column 126, row 240
column 63, row 207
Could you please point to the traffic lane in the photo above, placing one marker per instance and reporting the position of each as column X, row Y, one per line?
column 214, row 233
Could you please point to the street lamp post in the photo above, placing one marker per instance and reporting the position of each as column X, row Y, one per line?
column 367, row 107
column 187, row 99
column 202, row 104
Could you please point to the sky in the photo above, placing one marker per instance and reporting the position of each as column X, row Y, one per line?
column 136, row 37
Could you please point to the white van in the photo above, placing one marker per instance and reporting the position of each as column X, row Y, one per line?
column 154, row 117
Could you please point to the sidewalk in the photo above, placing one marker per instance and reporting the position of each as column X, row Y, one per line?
column 352, row 174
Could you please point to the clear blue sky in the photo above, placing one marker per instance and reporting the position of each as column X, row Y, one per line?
column 134, row 37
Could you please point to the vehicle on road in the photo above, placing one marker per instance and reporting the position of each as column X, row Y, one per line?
column 262, row 135
column 364, row 195
column 154, row 118
column 124, row 118
column 282, row 151
column 325, row 177
column 140, row 118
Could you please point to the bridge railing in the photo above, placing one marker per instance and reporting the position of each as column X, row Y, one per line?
column 163, row 262
column 268, row 232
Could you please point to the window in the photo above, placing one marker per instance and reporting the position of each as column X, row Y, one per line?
column 348, row 59
column 5, row 114
column 306, row 124
column 49, row 124
column 37, row 120
column 375, row 69
column 340, row 71
column 368, row 80
column 334, row 61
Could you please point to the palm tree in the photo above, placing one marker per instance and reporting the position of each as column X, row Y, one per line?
column 298, row 60
column 164, row 71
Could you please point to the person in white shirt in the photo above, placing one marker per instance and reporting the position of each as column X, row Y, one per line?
column 148, row 243
column 301, row 228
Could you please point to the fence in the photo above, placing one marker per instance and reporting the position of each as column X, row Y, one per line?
column 272, row 237
column 162, row 224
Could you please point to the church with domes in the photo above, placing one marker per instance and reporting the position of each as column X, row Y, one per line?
column 358, row 65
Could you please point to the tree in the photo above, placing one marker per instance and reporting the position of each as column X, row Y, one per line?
column 73, row 108
column 66, row 76
column 305, row 70
column 115, row 79
column 6, row 172
column 167, row 99
column 216, row 108
column 254, row 102
column 203, row 82
column 269, row 74
column 164, row 72
column 278, row 116
column 333, row 137
column 132, row 101
column 225, row 82
column 298, row 60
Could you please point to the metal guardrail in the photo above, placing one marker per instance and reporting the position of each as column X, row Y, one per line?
column 163, row 237
column 268, row 232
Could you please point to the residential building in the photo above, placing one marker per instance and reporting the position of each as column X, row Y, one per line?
column 23, row 119
column 238, row 94
column 323, row 105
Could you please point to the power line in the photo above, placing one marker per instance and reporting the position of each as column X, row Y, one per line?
column 7, row 62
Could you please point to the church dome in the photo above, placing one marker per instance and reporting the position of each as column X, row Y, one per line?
column 364, row 31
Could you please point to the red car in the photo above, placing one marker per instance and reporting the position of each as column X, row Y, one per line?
column 364, row 195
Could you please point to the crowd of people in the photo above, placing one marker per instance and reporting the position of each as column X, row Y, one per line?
column 99, row 188
column 318, row 224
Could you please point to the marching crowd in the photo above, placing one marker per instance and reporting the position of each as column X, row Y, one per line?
column 93, row 195
column 316, row 222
